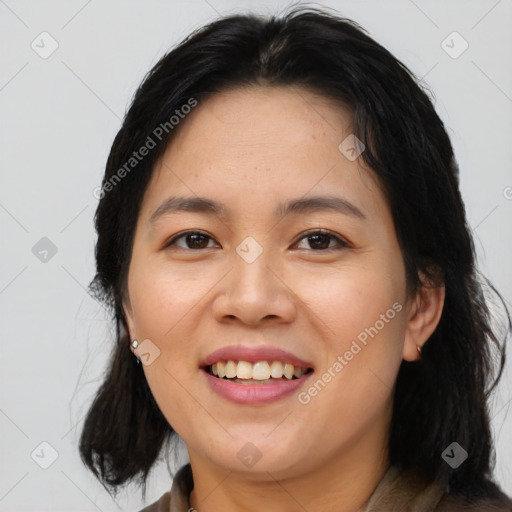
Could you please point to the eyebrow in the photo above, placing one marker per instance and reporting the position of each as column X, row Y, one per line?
column 176, row 204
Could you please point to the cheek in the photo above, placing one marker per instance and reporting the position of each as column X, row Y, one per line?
column 161, row 298
column 164, row 307
column 360, row 316
column 354, row 299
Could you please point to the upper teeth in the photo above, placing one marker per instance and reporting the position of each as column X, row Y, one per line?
column 262, row 370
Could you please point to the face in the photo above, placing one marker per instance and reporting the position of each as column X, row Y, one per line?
column 326, row 285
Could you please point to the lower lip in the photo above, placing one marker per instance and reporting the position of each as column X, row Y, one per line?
column 255, row 393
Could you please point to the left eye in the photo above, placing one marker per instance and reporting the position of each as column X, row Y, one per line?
column 319, row 240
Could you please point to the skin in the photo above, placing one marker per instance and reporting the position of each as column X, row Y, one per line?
column 251, row 149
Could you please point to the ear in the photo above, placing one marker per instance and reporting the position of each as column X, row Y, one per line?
column 423, row 314
column 128, row 314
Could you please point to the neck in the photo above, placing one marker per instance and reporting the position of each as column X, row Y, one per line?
column 343, row 482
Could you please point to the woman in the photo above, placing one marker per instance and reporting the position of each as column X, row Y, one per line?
column 284, row 247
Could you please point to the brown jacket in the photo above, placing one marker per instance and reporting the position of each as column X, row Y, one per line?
column 398, row 491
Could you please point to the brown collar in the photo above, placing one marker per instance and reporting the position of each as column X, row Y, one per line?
column 398, row 490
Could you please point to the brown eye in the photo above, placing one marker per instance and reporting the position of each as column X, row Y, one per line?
column 321, row 240
column 193, row 240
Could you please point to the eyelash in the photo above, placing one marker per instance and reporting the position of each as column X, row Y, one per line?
column 341, row 243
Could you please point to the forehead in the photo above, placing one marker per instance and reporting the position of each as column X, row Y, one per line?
column 258, row 145
column 275, row 116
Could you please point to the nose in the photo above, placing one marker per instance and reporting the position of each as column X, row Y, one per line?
column 254, row 293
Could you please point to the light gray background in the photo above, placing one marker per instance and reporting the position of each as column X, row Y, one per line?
column 59, row 116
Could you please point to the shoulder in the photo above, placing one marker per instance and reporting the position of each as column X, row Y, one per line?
column 162, row 505
column 455, row 504
column 182, row 485
column 493, row 500
column 409, row 489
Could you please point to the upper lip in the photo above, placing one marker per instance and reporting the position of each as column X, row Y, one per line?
column 253, row 355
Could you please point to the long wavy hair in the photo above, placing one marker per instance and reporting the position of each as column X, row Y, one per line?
column 441, row 398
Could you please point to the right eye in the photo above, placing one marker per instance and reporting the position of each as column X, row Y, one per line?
column 193, row 239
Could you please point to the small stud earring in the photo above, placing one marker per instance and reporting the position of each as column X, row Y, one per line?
column 419, row 350
column 134, row 344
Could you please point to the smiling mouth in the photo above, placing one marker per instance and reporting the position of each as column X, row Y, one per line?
column 261, row 372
